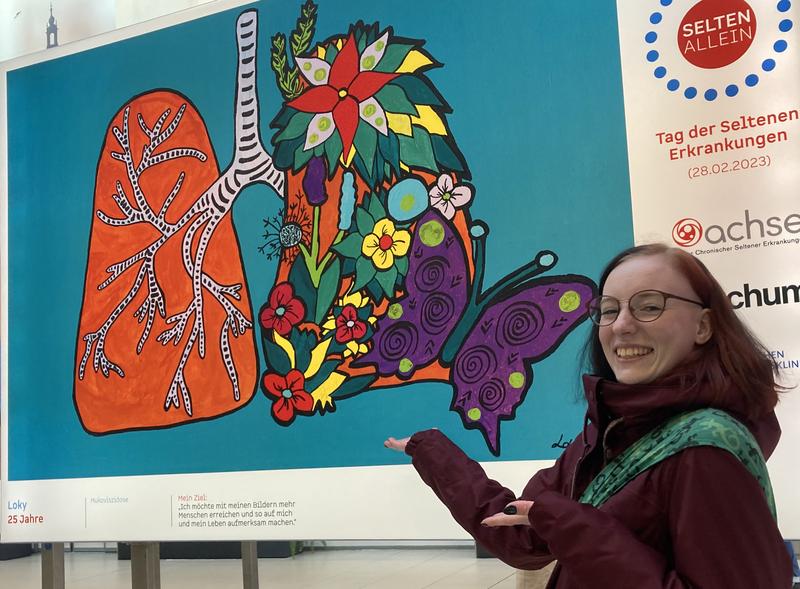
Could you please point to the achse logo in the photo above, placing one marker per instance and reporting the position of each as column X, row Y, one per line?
column 688, row 231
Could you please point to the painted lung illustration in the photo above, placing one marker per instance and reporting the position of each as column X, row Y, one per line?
column 165, row 333
column 380, row 264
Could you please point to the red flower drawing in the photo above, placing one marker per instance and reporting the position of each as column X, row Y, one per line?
column 290, row 395
column 345, row 92
column 348, row 326
column 283, row 310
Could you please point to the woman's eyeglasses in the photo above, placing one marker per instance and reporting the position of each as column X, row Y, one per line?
column 645, row 306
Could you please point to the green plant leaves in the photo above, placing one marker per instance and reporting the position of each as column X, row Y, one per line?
column 303, row 286
column 418, row 90
column 393, row 56
column 298, row 125
column 277, row 359
column 365, row 272
column 354, row 386
column 417, row 151
column 350, row 246
column 447, row 157
column 394, row 99
column 364, row 222
column 386, row 279
column 328, row 289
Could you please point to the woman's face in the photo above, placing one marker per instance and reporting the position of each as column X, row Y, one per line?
column 642, row 352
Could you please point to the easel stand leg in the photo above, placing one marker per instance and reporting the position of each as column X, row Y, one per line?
column 53, row 566
column 145, row 565
column 250, row 564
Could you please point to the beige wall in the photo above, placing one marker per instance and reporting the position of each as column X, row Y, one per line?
column 23, row 22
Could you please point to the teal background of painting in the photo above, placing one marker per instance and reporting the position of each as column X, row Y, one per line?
column 537, row 97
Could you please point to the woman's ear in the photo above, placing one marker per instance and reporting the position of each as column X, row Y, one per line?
column 704, row 328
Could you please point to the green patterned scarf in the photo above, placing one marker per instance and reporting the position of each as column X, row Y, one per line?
column 705, row 427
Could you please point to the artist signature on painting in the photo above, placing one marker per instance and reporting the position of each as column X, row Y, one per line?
column 561, row 443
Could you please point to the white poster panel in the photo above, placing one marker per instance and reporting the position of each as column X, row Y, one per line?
column 264, row 416
column 712, row 106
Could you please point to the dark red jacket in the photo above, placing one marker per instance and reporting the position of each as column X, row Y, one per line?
column 697, row 520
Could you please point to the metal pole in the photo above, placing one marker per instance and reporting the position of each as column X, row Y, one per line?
column 145, row 565
column 250, row 564
column 53, row 566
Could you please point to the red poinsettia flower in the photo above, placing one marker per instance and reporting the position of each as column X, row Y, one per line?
column 344, row 91
column 290, row 395
column 283, row 310
column 348, row 326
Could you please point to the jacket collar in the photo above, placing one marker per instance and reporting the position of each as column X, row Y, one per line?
column 644, row 406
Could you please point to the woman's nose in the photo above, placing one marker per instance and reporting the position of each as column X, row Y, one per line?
column 625, row 323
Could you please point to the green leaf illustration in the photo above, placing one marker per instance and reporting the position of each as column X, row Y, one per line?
column 393, row 99
column 401, row 264
column 303, row 286
column 276, row 357
column 387, row 279
column 298, row 125
column 418, row 90
column 364, row 222
column 393, row 56
column 446, row 156
column 328, row 289
column 376, row 208
column 416, row 151
column 366, row 142
column 365, row 272
column 350, row 246
column 354, row 386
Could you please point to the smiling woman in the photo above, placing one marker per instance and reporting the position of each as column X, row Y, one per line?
column 672, row 457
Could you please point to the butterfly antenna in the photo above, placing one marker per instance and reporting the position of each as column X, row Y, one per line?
column 478, row 232
column 540, row 264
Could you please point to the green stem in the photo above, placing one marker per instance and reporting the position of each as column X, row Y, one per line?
column 318, row 268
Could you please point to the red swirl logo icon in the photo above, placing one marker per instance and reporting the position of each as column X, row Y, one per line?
column 687, row 232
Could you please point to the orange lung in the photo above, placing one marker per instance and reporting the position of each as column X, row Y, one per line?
column 137, row 400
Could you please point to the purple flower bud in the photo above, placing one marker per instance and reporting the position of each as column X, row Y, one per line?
column 314, row 181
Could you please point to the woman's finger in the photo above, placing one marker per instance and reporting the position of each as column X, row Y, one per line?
column 395, row 444
column 501, row 519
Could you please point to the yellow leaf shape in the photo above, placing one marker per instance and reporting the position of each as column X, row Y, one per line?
column 413, row 61
column 346, row 163
column 285, row 344
column 399, row 123
column 317, row 357
column 320, row 52
column 428, row 119
column 322, row 394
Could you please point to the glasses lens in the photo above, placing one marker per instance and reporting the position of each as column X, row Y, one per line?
column 647, row 305
column 604, row 310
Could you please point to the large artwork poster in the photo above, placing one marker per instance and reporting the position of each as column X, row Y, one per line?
column 712, row 104
column 242, row 250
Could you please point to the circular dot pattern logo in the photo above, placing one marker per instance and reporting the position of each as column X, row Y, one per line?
column 715, row 33
column 687, row 232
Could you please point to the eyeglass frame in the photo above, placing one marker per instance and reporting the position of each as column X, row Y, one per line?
column 666, row 296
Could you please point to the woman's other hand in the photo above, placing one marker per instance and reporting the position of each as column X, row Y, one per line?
column 395, row 444
column 518, row 516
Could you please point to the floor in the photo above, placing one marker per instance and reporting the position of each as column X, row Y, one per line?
column 386, row 568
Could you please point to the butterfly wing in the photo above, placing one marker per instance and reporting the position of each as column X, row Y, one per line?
column 492, row 370
column 411, row 334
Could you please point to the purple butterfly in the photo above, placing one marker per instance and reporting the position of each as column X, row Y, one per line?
column 489, row 339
